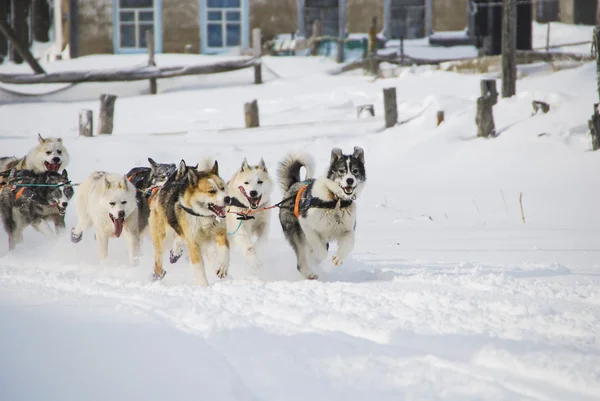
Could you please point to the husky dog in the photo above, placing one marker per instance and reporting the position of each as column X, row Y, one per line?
column 147, row 180
column 191, row 206
column 49, row 155
column 107, row 202
column 320, row 210
column 44, row 199
column 250, row 189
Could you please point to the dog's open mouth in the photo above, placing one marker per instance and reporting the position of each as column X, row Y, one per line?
column 61, row 210
column 118, row 223
column 54, row 167
column 253, row 201
column 219, row 211
column 348, row 190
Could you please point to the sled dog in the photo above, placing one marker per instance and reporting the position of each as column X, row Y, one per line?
column 320, row 210
column 49, row 155
column 30, row 198
column 107, row 202
column 250, row 189
column 147, row 180
column 191, row 206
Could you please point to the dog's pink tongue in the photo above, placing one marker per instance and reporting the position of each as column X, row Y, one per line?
column 52, row 167
column 118, row 227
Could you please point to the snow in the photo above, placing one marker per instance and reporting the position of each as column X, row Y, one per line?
column 447, row 294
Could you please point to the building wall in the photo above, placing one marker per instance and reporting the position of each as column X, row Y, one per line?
column 273, row 17
column 95, row 27
column 566, row 14
column 449, row 15
column 180, row 25
column 359, row 14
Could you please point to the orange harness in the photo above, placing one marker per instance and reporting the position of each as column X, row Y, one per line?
column 297, row 202
column 152, row 193
column 19, row 192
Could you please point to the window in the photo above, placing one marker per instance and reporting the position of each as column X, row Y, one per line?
column 223, row 23
column 134, row 19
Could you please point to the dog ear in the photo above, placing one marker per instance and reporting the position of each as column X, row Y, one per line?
column 152, row 162
column 215, row 168
column 359, row 154
column 192, row 177
column 107, row 183
column 181, row 169
column 336, row 153
column 245, row 165
column 59, row 140
column 262, row 165
column 65, row 175
column 123, row 182
column 41, row 139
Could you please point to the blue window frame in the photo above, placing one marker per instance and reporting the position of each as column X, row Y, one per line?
column 223, row 24
column 132, row 19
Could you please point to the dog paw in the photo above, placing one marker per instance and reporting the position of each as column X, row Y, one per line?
column 174, row 256
column 158, row 277
column 75, row 238
column 337, row 260
column 312, row 276
column 222, row 272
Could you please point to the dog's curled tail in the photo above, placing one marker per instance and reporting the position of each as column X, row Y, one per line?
column 288, row 171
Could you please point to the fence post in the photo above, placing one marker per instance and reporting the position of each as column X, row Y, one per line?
column 251, row 114
column 509, row 48
column 86, row 123
column 594, row 125
column 256, row 42
column 485, row 117
column 258, row 73
column 548, row 37
column 151, row 62
column 107, row 112
column 440, row 117
column 390, row 107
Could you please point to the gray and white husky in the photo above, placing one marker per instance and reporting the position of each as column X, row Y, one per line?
column 321, row 210
column 147, row 180
column 43, row 200
column 251, row 187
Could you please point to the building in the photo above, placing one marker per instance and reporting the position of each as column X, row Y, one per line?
column 217, row 26
column 214, row 26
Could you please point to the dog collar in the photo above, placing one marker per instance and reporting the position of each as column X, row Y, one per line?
column 190, row 211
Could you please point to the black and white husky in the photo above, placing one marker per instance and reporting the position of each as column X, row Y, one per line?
column 31, row 198
column 321, row 210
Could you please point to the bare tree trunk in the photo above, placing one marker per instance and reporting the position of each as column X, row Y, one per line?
column 21, row 47
column 509, row 48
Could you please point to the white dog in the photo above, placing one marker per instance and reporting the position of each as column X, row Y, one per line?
column 49, row 155
column 107, row 202
column 250, row 189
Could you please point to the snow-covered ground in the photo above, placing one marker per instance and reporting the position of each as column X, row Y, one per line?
column 447, row 295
